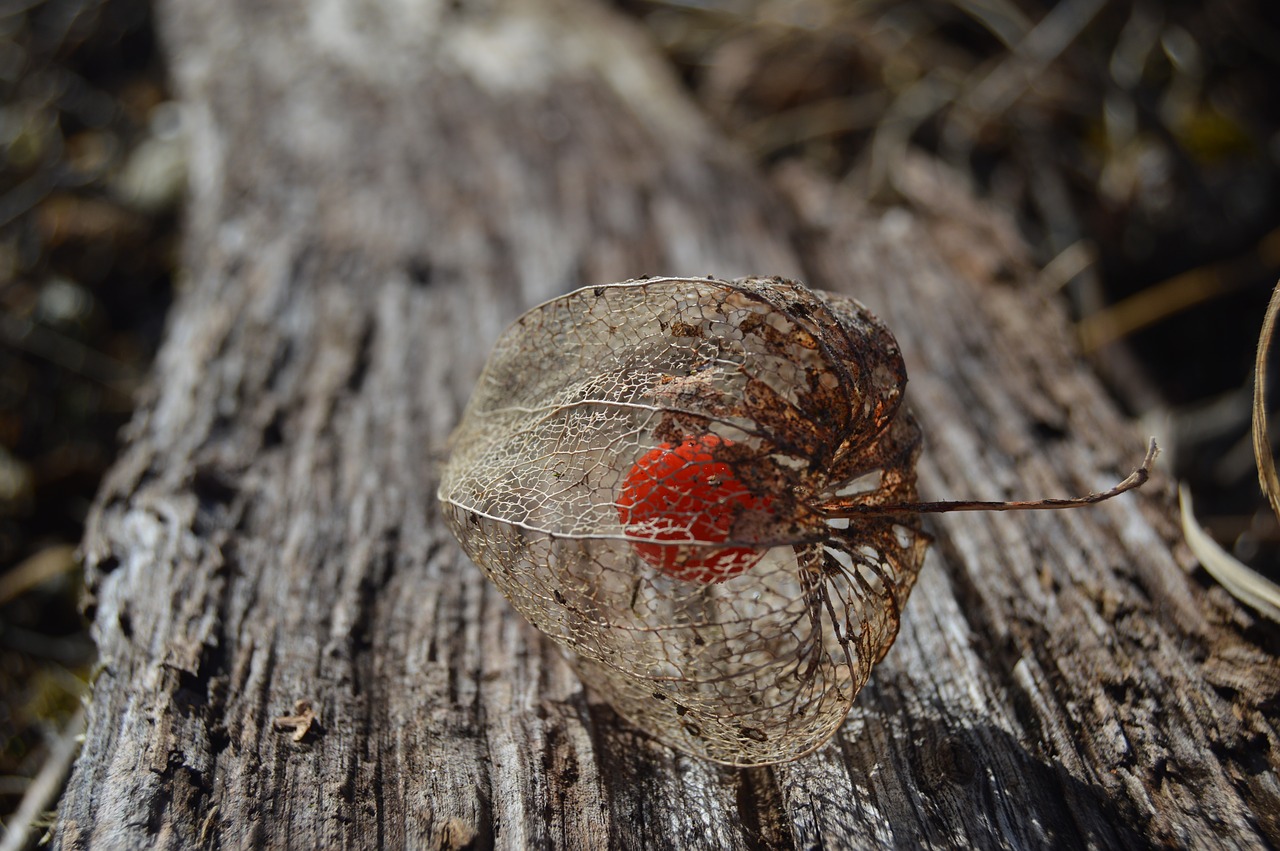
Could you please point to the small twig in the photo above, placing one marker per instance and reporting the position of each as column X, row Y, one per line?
column 1136, row 479
column 64, row 351
column 1175, row 295
column 998, row 89
column 45, row 788
column 829, row 117
column 35, row 570
column 1064, row 267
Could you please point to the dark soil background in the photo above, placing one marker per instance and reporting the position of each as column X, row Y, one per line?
column 1137, row 141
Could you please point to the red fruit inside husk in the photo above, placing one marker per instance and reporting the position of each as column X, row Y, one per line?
column 681, row 493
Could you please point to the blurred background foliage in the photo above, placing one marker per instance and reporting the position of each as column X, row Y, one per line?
column 1136, row 141
column 90, row 178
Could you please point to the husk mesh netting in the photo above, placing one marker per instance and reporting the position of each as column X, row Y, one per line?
column 651, row 472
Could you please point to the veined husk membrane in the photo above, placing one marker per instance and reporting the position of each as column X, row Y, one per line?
column 755, row 656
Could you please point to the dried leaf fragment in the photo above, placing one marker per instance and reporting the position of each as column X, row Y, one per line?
column 303, row 721
column 1261, row 441
column 1245, row 584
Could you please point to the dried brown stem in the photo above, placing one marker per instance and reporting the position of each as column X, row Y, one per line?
column 1136, row 479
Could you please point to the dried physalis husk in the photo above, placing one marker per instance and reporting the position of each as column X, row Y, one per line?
column 640, row 471
column 706, row 490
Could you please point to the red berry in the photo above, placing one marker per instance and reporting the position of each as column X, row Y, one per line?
column 681, row 493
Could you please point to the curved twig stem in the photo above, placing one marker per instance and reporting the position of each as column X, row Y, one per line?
column 1136, row 479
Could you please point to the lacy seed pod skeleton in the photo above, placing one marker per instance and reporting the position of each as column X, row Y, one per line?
column 706, row 490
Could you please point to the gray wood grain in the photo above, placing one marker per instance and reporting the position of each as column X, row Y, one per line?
column 377, row 189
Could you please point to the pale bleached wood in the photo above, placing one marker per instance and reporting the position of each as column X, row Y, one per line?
column 377, row 189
